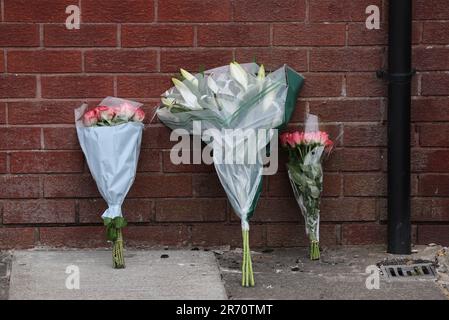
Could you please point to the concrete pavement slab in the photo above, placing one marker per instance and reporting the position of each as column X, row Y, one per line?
column 182, row 275
column 340, row 275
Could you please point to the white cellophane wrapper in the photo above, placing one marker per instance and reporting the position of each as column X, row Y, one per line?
column 309, row 205
column 112, row 154
column 226, row 105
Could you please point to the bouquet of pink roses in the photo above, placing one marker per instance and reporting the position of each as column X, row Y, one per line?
column 110, row 137
column 306, row 152
column 112, row 116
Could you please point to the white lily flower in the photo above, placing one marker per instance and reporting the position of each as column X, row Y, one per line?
column 239, row 74
column 190, row 77
column 190, row 99
column 261, row 73
column 168, row 102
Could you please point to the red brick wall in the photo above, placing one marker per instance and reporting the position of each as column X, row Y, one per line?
column 132, row 48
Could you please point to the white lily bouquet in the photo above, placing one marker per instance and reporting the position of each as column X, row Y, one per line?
column 110, row 137
column 237, row 107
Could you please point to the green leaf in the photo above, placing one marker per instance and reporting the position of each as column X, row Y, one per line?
column 111, row 233
column 119, row 222
column 107, row 221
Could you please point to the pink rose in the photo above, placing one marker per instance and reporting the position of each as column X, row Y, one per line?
column 105, row 113
column 126, row 111
column 90, row 118
column 297, row 137
column 139, row 115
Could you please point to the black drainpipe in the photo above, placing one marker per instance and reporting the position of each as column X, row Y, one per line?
column 399, row 101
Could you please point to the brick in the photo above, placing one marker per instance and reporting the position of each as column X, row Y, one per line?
column 157, row 137
column 157, row 35
column 433, row 234
column 46, row 162
column 44, row 61
column 66, row 186
column 294, row 235
column 365, row 135
column 322, row 85
column 436, row 185
column 434, row 135
column 61, row 139
column 149, row 161
column 2, row 113
column 435, row 84
column 41, row 112
column 191, row 210
column 134, row 210
column 120, row 11
column 3, row 163
column 19, row 35
column 161, row 186
column 77, row 86
column 233, row 35
column 365, row 185
column 20, row 187
column 275, row 210
column 143, row 86
column 348, row 159
column 121, row 61
column 39, row 211
column 338, row 110
column 39, row 11
column 14, row 86
column 279, row 185
column 430, row 10
column 425, row 160
column 365, row 85
column 430, row 209
column 18, row 138
column 363, row 234
column 435, row 32
column 314, row 34
column 430, row 109
column 194, row 10
column 2, row 61
column 359, row 35
column 207, row 185
column 221, row 234
column 274, row 58
column 427, row 59
column 89, row 35
column 344, row 10
column 169, row 166
column 348, row 209
column 346, row 59
column 269, row 10
column 156, row 235
column 194, row 60
column 16, row 238
column 73, row 237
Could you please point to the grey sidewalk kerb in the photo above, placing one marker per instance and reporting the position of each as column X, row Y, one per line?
column 183, row 275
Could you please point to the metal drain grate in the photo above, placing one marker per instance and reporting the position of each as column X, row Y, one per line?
column 407, row 269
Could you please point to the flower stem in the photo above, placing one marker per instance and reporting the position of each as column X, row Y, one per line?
column 314, row 250
column 118, row 260
column 247, row 267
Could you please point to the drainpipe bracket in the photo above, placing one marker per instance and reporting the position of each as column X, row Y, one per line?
column 395, row 77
